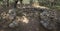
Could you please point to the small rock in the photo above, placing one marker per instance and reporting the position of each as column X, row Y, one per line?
column 13, row 24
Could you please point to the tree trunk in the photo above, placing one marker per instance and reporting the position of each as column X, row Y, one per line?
column 7, row 3
column 15, row 3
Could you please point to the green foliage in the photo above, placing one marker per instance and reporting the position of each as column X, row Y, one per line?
column 1, row 0
column 11, row 1
column 56, row 3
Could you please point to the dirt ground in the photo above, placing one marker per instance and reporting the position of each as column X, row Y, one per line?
column 32, row 25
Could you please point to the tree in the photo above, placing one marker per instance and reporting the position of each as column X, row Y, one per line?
column 15, row 3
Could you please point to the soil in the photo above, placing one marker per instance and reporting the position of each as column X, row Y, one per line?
column 34, row 20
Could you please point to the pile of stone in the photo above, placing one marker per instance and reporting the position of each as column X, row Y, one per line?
column 48, row 19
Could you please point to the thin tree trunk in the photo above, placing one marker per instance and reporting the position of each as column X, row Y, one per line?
column 7, row 3
column 15, row 4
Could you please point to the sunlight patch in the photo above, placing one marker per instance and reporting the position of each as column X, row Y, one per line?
column 36, row 5
column 4, row 15
column 22, row 19
column 25, row 19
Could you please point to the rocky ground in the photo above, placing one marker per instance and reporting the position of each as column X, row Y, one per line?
column 28, row 19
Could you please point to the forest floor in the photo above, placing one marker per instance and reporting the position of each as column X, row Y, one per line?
column 32, row 25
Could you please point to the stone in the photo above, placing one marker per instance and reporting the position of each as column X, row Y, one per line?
column 48, row 19
column 13, row 24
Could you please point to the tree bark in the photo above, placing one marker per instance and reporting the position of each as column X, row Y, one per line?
column 15, row 3
column 7, row 3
